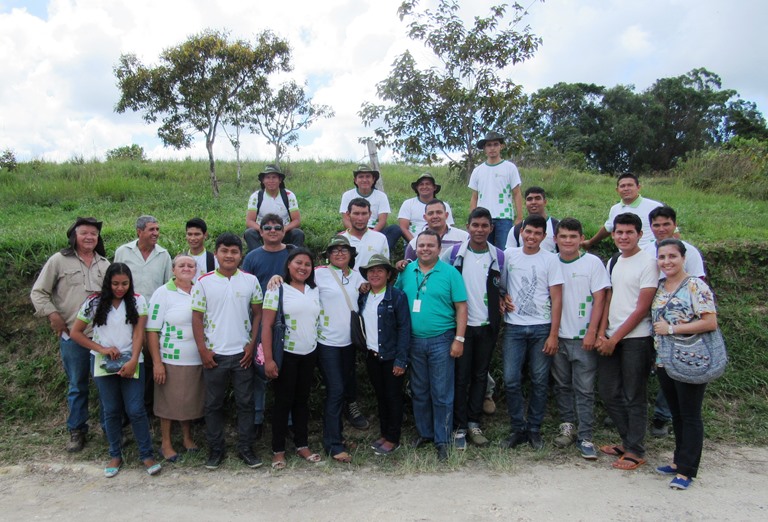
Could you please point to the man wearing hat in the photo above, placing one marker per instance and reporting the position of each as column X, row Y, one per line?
column 365, row 178
column 67, row 279
column 411, row 215
column 495, row 185
column 273, row 198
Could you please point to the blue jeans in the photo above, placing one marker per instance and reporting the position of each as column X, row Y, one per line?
column 521, row 344
column 77, row 367
column 118, row 394
column 335, row 363
column 392, row 233
column 432, row 381
column 501, row 229
column 259, row 399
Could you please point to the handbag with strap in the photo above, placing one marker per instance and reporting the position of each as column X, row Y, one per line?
column 356, row 323
column 278, row 340
column 693, row 359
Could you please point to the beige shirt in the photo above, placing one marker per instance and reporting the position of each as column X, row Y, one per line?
column 64, row 284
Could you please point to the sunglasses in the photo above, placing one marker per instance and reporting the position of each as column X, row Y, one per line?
column 267, row 228
column 339, row 251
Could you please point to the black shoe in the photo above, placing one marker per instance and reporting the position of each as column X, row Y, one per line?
column 215, row 459
column 355, row 417
column 535, row 440
column 659, row 428
column 76, row 441
column 251, row 460
column 515, row 439
column 442, row 452
column 258, row 431
column 418, row 442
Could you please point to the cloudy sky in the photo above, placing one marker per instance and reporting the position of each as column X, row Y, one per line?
column 57, row 89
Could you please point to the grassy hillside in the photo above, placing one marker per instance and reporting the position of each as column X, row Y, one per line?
column 40, row 201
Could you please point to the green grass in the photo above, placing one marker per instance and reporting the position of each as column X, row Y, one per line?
column 40, row 201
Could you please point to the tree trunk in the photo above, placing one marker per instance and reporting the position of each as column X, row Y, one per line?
column 373, row 155
column 237, row 155
column 278, row 155
column 212, row 166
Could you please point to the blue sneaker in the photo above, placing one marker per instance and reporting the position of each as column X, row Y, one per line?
column 666, row 470
column 587, row 450
column 680, row 483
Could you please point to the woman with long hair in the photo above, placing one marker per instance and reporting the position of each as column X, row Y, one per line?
column 118, row 316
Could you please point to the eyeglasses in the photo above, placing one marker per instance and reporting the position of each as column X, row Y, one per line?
column 338, row 251
column 267, row 228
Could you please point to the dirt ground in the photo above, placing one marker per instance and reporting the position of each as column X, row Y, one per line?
column 732, row 485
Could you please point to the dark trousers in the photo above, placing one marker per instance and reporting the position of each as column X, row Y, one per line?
column 292, row 388
column 335, row 365
column 389, row 395
column 685, row 402
column 623, row 386
column 216, row 383
column 471, row 376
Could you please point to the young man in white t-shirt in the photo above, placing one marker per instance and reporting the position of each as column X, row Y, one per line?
column 574, row 366
column 483, row 269
column 273, row 198
column 625, row 344
column 535, row 286
column 365, row 178
column 495, row 185
column 196, row 235
column 226, row 312
column 365, row 240
column 535, row 204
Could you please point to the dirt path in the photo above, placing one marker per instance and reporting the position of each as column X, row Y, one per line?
column 733, row 486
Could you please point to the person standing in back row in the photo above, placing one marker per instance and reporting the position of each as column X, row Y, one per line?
column 495, row 185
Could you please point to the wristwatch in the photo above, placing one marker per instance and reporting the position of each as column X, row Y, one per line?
column 670, row 330
column 459, row 338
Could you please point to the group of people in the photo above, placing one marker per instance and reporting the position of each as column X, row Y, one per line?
column 435, row 316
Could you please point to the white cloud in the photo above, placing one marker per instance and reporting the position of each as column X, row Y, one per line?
column 58, row 89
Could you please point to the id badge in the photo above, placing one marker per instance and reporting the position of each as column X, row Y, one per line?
column 417, row 306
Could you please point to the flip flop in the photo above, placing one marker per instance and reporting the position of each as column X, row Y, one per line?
column 278, row 460
column 342, row 457
column 615, row 451
column 628, row 463
column 172, row 458
column 313, row 458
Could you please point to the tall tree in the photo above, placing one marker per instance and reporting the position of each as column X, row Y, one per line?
column 282, row 114
column 443, row 110
column 192, row 88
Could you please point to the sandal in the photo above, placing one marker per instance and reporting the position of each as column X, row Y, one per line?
column 615, row 451
column 627, row 463
column 305, row 453
column 278, row 460
column 343, row 457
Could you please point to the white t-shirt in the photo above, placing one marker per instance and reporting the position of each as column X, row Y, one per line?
column 494, row 184
column 202, row 263
column 334, row 314
column 528, row 280
column 694, row 263
column 548, row 243
column 452, row 237
column 413, row 210
column 371, row 243
column 273, row 205
column 226, row 305
column 475, row 274
column 371, row 319
column 641, row 207
column 170, row 314
column 378, row 200
column 582, row 277
column 302, row 311
column 629, row 276
column 116, row 332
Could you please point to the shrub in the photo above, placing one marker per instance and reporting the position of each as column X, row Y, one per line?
column 8, row 160
column 128, row 153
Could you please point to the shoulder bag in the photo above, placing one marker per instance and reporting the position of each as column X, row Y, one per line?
column 693, row 359
column 356, row 323
column 278, row 340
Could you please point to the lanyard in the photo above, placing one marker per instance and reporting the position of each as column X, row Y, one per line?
column 421, row 285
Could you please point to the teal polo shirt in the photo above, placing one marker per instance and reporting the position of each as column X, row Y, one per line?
column 437, row 290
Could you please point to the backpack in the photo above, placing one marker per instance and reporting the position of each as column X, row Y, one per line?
column 283, row 195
